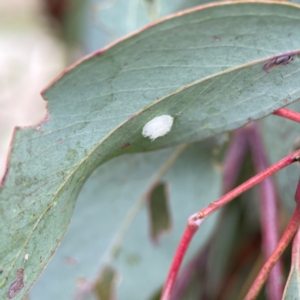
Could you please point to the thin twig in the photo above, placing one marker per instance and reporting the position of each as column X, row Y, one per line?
column 283, row 243
column 295, row 156
column 288, row 114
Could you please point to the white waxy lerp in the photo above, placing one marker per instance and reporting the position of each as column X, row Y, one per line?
column 158, row 126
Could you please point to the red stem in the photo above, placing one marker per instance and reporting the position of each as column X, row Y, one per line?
column 288, row 114
column 295, row 156
column 188, row 234
column 196, row 219
column 199, row 262
column 268, row 212
column 283, row 243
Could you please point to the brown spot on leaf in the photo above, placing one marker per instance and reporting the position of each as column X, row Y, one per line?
column 125, row 146
column 17, row 285
column 1, row 270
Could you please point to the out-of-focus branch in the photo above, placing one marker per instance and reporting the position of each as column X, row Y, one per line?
column 268, row 212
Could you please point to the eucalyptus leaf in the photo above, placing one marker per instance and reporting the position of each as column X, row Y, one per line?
column 292, row 290
column 204, row 68
column 292, row 286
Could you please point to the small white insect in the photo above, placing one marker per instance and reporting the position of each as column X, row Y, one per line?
column 158, row 126
column 26, row 256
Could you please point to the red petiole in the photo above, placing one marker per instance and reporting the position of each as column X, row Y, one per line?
column 288, row 114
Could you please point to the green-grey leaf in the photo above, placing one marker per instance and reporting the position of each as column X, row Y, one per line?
column 107, row 200
column 292, row 287
column 130, row 16
column 204, row 68
column 102, row 28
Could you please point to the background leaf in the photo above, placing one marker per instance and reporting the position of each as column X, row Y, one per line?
column 98, row 18
column 292, row 291
column 103, row 207
column 292, row 287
